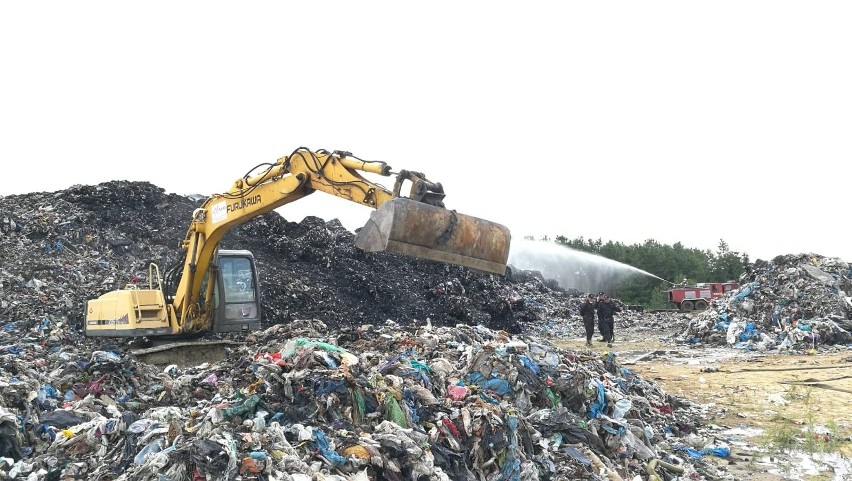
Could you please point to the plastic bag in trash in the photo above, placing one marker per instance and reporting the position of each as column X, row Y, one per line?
column 622, row 406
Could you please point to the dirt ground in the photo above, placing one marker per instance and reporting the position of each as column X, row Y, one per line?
column 757, row 400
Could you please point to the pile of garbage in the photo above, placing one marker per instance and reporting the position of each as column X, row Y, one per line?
column 300, row 401
column 792, row 302
column 463, row 385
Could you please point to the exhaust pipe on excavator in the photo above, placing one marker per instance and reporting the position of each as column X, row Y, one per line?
column 429, row 232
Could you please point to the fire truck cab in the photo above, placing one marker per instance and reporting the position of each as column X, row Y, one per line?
column 697, row 297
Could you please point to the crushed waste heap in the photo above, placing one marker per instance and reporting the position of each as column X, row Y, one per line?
column 794, row 301
column 299, row 401
column 461, row 386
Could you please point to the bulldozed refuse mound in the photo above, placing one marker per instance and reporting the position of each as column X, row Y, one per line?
column 370, row 366
column 793, row 301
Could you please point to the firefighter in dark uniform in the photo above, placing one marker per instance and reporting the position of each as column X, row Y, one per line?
column 587, row 310
column 606, row 315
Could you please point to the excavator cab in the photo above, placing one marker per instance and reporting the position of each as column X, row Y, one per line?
column 236, row 299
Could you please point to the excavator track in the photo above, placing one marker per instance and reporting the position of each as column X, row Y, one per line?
column 187, row 353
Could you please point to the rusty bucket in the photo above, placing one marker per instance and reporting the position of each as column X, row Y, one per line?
column 422, row 230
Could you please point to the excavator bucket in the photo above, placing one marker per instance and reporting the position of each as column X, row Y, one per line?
column 422, row 230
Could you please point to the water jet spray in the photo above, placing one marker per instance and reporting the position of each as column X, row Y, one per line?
column 572, row 268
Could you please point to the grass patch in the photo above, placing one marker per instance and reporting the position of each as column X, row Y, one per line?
column 781, row 437
column 822, row 439
column 798, row 392
column 784, row 435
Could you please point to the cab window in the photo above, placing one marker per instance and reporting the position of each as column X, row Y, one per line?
column 237, row 279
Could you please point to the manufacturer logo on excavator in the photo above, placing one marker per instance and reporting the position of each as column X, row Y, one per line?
column 244, row 203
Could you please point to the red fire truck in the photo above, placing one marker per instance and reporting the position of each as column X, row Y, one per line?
column 697, row 297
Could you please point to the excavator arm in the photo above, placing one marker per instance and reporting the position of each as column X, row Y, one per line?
column 417, row 225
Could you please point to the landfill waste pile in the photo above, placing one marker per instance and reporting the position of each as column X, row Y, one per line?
column 300, row 401
column 371, row 365
column 792, row 302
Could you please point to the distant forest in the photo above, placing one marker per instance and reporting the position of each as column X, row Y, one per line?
column 674, row 263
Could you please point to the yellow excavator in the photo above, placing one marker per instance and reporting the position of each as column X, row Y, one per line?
column 216, row 290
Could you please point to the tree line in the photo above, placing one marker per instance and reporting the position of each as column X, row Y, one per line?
column 674, row 263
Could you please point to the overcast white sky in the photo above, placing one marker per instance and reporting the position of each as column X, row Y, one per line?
column 675, row 121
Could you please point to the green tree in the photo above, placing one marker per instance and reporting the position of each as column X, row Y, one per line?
column 727, row 264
